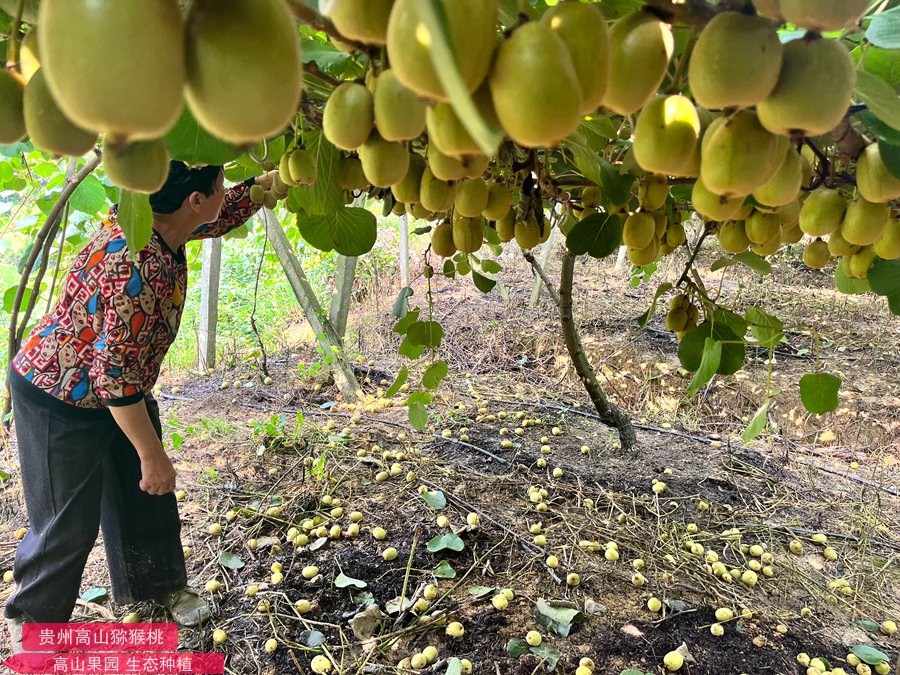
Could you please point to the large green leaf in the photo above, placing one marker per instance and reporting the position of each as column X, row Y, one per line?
column 343, row 581
column 426, row 333
column 885, row 63
column 847, row 284
column 327, row 195
column 869, row 654
column 556, row 619
column 890, row 155
column 758, row 423
column 445, row 541
column 348, row 230
column 435, row 499
column 598, row 235
column 353, row 231
column 766, row 328
column 692, row 348
column 819, row 392
column 316, row 231
column 399, row 381
column 884, row 277
column 709, row 364
column 884, row 29
column 756, row 263
column 880, row 97
column 193, row 145
column 434, row 374
column 136, row 219
column 89, row 197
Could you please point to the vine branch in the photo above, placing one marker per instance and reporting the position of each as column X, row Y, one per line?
column 536, row 266
column 610, row 414
column 48, row 227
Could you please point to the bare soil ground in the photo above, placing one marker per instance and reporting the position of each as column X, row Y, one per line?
column 243, row 451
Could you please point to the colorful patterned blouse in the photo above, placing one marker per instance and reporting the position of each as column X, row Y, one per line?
column 115, row 319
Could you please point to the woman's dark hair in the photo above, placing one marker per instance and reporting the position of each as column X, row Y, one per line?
column 182, row 182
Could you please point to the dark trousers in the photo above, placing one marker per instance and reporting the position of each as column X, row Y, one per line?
column 80, row 473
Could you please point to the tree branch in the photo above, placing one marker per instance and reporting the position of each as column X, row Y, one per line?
column 536, row 266
column 610, row 414
column 49, row 225
column 45, row 259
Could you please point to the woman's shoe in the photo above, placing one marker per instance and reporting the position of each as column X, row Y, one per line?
column 186, row 607
column 15, row 633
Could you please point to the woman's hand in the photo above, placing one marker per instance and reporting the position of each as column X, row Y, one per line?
column 267, row 179
column 157, row 473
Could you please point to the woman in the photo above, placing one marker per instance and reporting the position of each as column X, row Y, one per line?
column 88, row 429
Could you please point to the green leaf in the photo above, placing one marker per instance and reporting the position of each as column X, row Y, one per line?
column 884, row 29
column 353, row 231
column 434, row 374
column 587, row 160
column 9, row 297
column 548, row 655
column 444, row 570
column 616, row 186
column 410, row 350
column 884, row 277
column 868, row 625
column 819, row 392
column 766, row 328
column 454, row 667
column 402, row 326
column 692, row 348
column 885, row 63
column 444, row 62
column 426, row 333
column 735, row 322
column 847, row 284
column 894, row 304
column 881, row 130
column 343, row 581
column 401, row 304
column 418, row 414
column 758, row 423
column 869, row 654
column 316, row 231
column 326, row 195
column 4, row 475
column 661, row 290
column 491, row 266
column 96, row 594
column 709, row 364
column 598, row 235
column 556, row 619
column 483, row 283
column 478, row 592
column 435, row 499
column 445, row 541
column 136, row 219
column 312, row 638
column 399, row 381
column 89, row 197
column 230, row 560
column 890, row 155
column 193, row 145
column 516, row 647
column 759, row 265
column 880, row 97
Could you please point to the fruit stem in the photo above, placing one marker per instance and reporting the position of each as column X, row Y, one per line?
column 12, row 53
